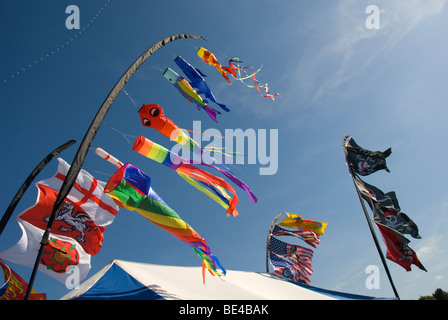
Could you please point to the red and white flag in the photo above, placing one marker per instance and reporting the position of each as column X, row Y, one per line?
column 87, row 192
column 77, row 232
column 398, row 249
column 70, row 220
column 59, row 256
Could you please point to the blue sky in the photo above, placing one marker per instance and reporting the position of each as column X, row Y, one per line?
column 385, row 87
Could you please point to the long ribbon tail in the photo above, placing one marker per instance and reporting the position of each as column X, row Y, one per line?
column 208, row 178
column 162, row 155
column 235, row 180
column 220, row 196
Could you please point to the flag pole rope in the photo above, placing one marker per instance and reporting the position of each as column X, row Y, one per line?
column 369, row 222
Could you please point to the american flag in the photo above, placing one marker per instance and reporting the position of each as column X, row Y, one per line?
column 284, row 268
column 296, row 254
column 299, row 257
column 309, row 236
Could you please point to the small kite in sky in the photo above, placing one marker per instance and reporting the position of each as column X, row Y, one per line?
column 188, row 92
column 152, row 116
column 209, row 57
column 197, row 81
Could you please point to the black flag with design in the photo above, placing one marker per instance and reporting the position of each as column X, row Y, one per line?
column 365, row 162
column 386, row 209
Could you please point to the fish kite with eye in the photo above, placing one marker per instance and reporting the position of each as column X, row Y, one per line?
column 152, row 116
column 197, row 81
column 189, row 93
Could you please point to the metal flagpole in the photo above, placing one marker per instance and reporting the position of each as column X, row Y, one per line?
column 81, row 154
column 369, row 222
column 269, row 240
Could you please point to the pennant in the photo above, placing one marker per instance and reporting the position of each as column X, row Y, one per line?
column 60, row 255
column 398, row 250
column 15, row 287
column 365, row 162
column 386, row 209
column 309, row 236
column 388, row 200
column 284, row 268
column 298, row 255
column 71, row 220
column 294, row 221
column 398, row 221
column 132, row 188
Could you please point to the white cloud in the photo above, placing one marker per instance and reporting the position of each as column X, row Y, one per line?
column 348, row 48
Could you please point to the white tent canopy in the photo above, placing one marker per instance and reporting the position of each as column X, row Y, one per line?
column 121, row 280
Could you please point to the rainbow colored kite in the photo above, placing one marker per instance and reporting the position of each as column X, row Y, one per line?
column 198, row 178
column 131, row 187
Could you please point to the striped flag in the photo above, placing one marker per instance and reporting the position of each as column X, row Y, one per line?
column 284, row 268
column 298, row 255
column 309, row 236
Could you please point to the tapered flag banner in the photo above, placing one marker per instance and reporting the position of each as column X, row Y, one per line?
column 363, row 161
column 295, row 221
column 398, row 250
column 386, row 209
column 132, row 188
column 60, row 255
column 398, row 221
column 309, row 236
column 388, row 200
column 15, row 287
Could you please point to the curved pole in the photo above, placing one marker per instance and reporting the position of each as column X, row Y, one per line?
column 269, row 239
column 8, row 213
column 90, row 134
